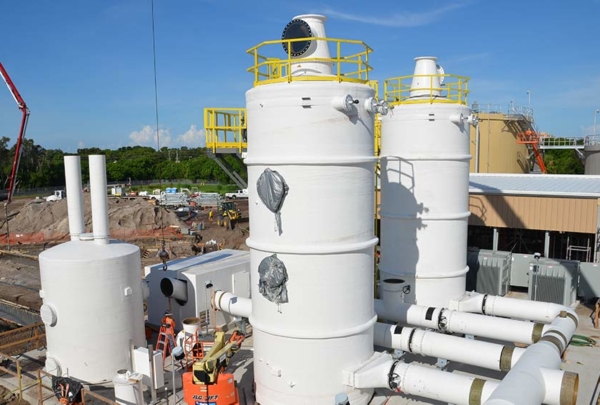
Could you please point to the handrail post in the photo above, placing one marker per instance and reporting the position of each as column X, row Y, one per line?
column 39, row 381
column 19, row 379
column 339, row 52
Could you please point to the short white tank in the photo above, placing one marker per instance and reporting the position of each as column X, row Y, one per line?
column 91, row 290
column 93, row 307
column 325, row 238
column 424, row 193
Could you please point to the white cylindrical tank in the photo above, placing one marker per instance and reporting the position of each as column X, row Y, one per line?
column 92, row 307
column 424, row 195
column 324, row 238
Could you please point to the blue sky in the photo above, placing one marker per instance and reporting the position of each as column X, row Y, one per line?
column 85, row 67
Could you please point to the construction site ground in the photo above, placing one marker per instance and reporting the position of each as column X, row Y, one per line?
column 37, row 226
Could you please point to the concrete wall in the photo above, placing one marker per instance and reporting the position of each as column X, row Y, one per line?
column 499, row 151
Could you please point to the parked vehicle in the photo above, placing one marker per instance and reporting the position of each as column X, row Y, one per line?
column 57, row 196
column 237, row 194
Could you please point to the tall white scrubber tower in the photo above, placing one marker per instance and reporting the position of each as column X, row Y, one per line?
column 311, row 177
column 425, row 185
column 91, row 289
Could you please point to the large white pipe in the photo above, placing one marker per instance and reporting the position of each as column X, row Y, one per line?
column 525, row 384
column 99, row 199
column 74, row 196
column 382, row 371
column 174, row 288
column 474, row 352
column 443, row 386
column 232, row 304
column 508, row 330
column 510, row 307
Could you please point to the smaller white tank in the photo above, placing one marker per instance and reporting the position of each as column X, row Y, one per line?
column 92, row 293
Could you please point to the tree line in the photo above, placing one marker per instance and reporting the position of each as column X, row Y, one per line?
column 40, row 167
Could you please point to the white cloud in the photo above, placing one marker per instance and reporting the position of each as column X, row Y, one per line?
column 193, row 138
column 147, row 137
column 402, row 19
column 80, row 145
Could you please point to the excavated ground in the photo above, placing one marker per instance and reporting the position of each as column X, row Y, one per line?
column 36, row 226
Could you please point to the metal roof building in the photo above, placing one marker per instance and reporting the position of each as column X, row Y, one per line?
column 563, row 207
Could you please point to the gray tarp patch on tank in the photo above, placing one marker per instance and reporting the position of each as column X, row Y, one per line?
column 272, row 279
column 272, row 189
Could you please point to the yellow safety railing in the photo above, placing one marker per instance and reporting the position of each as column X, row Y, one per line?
column 345, row 66
column 454, row 90
column 225, row 128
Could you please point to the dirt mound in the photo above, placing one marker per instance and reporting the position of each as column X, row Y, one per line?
column 49, row 220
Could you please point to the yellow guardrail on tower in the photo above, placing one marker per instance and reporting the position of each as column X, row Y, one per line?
column 225, row 128
column 349, row 63
column 454, row 90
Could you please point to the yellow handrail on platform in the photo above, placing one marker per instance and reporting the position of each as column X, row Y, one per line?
column 349, row 68
column 454, row 90
column 225, row 128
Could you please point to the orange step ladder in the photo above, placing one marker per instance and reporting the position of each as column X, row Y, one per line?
column 166, row 336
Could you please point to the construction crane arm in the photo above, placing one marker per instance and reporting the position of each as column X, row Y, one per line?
column 12, row 180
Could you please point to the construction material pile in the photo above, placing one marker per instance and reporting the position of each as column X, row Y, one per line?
column 40, row 221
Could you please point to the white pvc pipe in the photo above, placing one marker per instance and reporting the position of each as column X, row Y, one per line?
column 74, row 196
column 442, row 386
column 508, row 330
column 232, row 304
column 510, row 307
column 473, row 352
column 525, row 384
column 174, row 288
column 99, row 199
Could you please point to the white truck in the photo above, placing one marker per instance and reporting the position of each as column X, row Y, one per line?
column 57, row 196
column 237, row 194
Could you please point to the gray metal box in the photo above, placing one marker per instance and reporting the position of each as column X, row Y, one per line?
column 519, row 269
column 489, row 271
column 589, row 280
column 554, row 280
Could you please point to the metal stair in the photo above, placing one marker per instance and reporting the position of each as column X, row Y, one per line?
column 219, row 158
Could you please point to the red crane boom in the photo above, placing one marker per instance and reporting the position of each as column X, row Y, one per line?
column 12, row 180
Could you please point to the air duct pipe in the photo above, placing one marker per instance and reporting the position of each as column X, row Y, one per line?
column 99, row 199
column 382, row 371
column 174, row 288
column 473, row 352
column 232, row 304
column 74, row 196
column 524, row 384
column 510, row 307
column 446, row 320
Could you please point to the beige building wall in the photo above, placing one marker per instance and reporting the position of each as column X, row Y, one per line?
column 527, row 212
column 499, row 151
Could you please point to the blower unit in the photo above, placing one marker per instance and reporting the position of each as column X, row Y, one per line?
column 553, row 280
column 489, row 271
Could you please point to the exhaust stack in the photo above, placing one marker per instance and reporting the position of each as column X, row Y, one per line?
column 99, row 199
column 74, row 196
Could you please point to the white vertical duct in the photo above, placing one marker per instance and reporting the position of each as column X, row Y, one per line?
column 99, row 199
column 74, row 196
column 425, row 190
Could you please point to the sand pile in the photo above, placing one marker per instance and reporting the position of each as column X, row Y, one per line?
column 49, row 220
